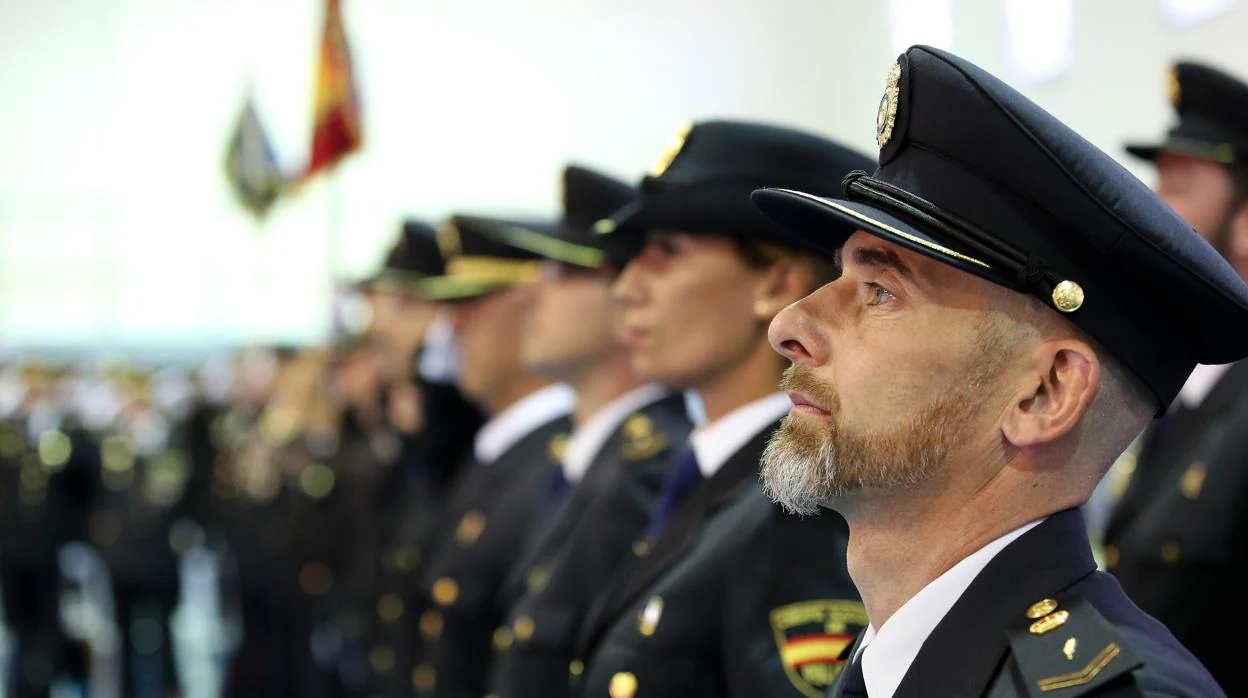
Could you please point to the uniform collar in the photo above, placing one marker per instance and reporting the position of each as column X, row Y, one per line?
column 518, row 421
column 715, row 442
column 588, row 439
column 1200, row 384
column 887, row 654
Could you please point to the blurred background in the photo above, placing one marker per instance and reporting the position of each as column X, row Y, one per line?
column 194, row 380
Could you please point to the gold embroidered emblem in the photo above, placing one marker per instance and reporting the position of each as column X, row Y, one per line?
column 1068, row 649
column 671, row 149
column 886, row 115
column 449, row 241
column 642, row 441
column 1173, row 88
column 811, row 636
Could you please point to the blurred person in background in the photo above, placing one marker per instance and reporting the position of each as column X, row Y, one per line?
column 624, row 437
column 724, row 594
column 496, row 498
column 1178, row 537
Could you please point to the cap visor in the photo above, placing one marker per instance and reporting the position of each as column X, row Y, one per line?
column 820, row 222
column 1144, row 152
column 450, row 288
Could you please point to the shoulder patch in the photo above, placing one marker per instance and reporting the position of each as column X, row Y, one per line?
column 1064, row 647
column 641, row 439
column 812, row 636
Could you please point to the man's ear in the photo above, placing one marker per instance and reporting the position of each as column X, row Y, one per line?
column 1056, row 391
column 782, row 284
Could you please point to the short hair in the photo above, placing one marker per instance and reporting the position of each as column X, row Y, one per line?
column 760, row 254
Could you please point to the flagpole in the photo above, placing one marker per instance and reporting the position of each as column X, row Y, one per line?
column 335, row 210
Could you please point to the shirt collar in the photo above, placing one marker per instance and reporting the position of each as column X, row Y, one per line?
column 588, row 439
column 521, row 419
column 887, row 654
column 1200, row 384
column 715, row 442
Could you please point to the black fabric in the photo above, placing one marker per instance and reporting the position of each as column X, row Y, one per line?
column 723, row 568
column 579, row 551
column 504, row 497
column 971, row 651
column 1180, row 557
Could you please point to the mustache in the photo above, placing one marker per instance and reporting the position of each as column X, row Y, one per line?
column 802, row 380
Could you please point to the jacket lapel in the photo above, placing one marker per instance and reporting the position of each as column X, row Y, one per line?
column 638, row 573
column 964, row 652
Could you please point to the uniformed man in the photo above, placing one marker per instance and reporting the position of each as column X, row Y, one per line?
column 625, row 434
column 1012, row 310
column 724, row 595
column 1178, row 539
column 497, row 498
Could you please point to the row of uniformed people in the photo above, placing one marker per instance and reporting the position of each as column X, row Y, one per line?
column 623, row 558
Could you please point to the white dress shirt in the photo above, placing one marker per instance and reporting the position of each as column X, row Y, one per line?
column 518, row 421
column 715, row 442
column 1200, row 384
column 588, row 439
column 887, row 654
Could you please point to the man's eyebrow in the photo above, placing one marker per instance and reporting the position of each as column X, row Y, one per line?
column 882, row 259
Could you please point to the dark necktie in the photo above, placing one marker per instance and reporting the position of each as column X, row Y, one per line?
column 854, row 684
column 679, row 483
column 556, row 489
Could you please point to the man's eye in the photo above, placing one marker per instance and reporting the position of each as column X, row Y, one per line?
column 877, row 294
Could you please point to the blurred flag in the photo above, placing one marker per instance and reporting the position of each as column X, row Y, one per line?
column 251, row 165
column 336, row 131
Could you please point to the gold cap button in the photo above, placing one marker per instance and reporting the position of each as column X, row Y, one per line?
column 1111, row 557
column 430, row 625
column 503, row 638
column 1068, row 296
column 445, row 591
column 1041, row 608
column 523, row 628
column 424, row 677
column 1170, row 553
column 576, row 668
column 623, row 685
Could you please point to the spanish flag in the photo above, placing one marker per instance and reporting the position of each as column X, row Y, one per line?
column 336, row 131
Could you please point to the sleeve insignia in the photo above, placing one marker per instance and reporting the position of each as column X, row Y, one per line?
column 811, row 636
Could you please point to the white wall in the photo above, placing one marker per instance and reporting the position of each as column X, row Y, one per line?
column 117, row 226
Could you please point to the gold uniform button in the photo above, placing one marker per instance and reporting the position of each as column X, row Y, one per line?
column 431, row 625
column 470, row 528
column 648, row 620
column 623, row 685
column 576, row 668
column 389, row 608
column 523, row 628
column 1041, row 609
column 1193, row 480
column 641, row 548
column 1049, row 623
column 537, row 579
column 1170, row 553
column 381, row 658
column 424, row 677
column 1111, row 557
column 445, row 591
column 503, row 638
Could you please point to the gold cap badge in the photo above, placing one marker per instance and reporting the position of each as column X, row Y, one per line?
column 886, row 117
column 673, row 147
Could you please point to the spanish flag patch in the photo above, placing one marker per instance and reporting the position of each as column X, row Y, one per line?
column 812, row 636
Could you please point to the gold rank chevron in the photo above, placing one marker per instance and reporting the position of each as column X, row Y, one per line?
column 1084, row 675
